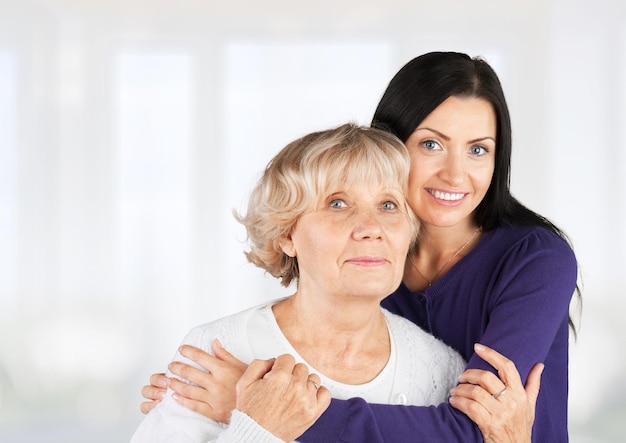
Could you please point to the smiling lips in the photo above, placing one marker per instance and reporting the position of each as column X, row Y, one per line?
column 447, row 196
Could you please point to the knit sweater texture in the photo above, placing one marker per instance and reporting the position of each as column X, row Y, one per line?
column 420, row 371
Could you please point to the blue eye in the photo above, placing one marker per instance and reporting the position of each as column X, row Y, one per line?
column 389, row 206
column 478, row 150
column 430, row 145
column 337, row 204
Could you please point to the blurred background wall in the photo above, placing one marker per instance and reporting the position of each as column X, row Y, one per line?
column 130, row 129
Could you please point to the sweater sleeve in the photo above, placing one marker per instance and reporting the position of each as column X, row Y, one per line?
column 242, row 429
column 525, row 318
column 170, row 422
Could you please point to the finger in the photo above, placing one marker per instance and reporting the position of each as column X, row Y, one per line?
column 476, row 393
column 475, row 402
column 159, row 380
column 148, row 406
column 474, row 410
column 285, row 363
column 189, row 391
column 486, row 379
column 189, row 373
column 505, row 367
column 224, row 355
column 314, row 380
column 201, row 357
column 256, row 370
column 533, row 383
column 150, row 392
column 197, row 406
column 300, row 372
column 323, row 398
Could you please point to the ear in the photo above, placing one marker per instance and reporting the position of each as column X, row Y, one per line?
column 286, row 244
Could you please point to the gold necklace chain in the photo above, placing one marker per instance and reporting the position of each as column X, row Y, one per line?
column 434, row 277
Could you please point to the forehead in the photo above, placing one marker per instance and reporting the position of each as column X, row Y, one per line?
column 468, row 115
column 362, row 188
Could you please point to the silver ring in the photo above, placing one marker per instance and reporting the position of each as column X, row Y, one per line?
column 499, row 394
column 317, row 386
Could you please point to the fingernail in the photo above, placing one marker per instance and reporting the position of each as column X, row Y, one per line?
column 175, row 396
column 452, row 391
column 479, row 347
column 161, row 395
column 218, row 343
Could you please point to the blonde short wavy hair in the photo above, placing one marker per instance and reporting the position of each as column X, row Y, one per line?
column 303, row 172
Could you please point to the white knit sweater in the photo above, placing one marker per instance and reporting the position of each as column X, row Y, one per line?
column 421, row 371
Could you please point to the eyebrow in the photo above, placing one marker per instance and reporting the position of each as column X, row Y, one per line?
column 446, row 138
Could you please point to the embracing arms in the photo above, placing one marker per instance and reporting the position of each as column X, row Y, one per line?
column 506, row 419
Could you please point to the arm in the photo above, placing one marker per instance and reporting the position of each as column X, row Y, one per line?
column 276, row 401
column 518, row 418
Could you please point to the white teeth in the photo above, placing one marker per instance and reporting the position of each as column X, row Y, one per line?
column 446, row 195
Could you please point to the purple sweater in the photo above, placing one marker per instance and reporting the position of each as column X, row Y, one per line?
column 512, row 293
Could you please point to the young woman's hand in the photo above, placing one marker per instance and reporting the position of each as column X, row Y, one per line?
column 503, row 408
column 154, row 392
column 281, row 396
column 211, row 393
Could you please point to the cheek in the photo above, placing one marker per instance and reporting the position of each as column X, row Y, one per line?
column 402, row 235
column 488, row 176
column 414, row 196
column 481, row 178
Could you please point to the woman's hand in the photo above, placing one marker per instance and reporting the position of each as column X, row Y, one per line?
column 215, row 394
column 281, row 396
column 154, row 392
column 501, row 407
column 211, row 393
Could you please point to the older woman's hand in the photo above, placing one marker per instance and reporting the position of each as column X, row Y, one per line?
column 501, row 407
column 281, row 396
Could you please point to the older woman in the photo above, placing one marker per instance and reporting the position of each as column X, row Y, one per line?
column 330, row 214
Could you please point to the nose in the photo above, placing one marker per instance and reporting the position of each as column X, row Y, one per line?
column 367, row 226
column 453, row 169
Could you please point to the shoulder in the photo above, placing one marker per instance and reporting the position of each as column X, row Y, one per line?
column 528, row 261
column 530, row 242
column 227, row 329
column 407, row 333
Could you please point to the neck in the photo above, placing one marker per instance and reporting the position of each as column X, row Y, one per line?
column 347, row 340
column 437, row 251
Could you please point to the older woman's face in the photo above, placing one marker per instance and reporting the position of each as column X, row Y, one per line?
column 452, row 161
column 353, row 244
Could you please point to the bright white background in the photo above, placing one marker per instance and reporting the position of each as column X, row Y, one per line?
column 130, row 129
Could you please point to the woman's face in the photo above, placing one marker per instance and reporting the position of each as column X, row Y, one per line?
column 354, row 243
column 452, row 161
